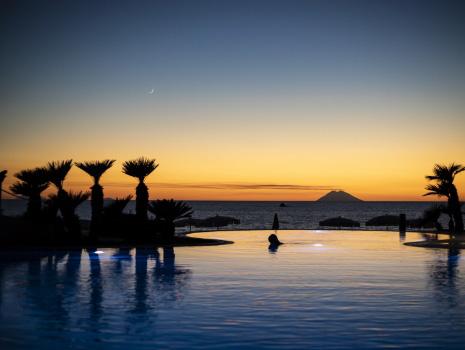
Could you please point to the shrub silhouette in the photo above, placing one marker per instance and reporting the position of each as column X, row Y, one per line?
column 67, row 203
column 167, row 212
column 115, row 222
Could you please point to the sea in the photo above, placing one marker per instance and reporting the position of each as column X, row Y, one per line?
column 259, row 215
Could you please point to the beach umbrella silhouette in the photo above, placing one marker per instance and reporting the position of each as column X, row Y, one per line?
column 339, row 222
column 219, row 221
column 275, row 222
column 384, row 220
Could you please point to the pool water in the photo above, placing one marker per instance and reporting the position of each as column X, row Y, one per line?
column 322, row 289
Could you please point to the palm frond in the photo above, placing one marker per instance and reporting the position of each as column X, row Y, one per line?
column 440, row 189
column 58, row 170
column 117, row 206
column 27, row 189
column 170, row 210
column 140, row 167
column 95, row 168
column 72, row 200
column 34, row 177
column 456, row 168
column 3, row 175
column 32, row 182
column 445, row 173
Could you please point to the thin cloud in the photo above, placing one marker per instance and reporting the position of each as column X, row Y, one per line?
column 226, row 186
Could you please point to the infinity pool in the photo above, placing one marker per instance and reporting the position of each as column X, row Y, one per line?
column 322, row 290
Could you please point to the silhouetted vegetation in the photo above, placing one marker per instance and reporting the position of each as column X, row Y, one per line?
column 443, row 186
column 96, row 169
column 167, row 212
column 116, row 222
column 140, row 168
column 32, row 182
column 431, row 216
column 68, row 203
column 55, row 220
column 57, row 172
column 2, row 178
column 116, row 207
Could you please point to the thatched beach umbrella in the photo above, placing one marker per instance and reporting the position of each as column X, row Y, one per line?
column 213, row 221
column 339, row 222
column 384, row 220
column 218, row 221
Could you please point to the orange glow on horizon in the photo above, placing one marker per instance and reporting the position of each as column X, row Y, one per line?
column 117, row 184
column 379, row 162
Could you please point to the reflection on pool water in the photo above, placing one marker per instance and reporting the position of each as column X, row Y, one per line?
column 331, row 290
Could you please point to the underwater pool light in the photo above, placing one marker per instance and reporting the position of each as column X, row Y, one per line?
column 99, row 252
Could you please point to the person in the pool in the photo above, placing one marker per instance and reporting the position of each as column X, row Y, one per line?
column 274, row 242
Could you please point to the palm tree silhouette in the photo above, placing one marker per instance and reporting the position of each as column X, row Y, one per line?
column 2, row 178
column 96, row 169
column 444, row 176
column 32, row 183
column 57, row 172
column 140, row 168
column 168, row 211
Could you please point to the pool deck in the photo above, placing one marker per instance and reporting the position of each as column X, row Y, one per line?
column 457, row 243
column 177, row 242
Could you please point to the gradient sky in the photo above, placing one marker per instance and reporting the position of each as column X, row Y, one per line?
column 274, row 100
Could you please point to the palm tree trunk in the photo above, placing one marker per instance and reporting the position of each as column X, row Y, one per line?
column 70, row 220
column 142, row 202
column 97, row 209
column 168, row 229
column 1, row 191
column 34, row 205
column 456, row 210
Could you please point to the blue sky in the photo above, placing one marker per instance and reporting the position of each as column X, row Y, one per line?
column 258, row 69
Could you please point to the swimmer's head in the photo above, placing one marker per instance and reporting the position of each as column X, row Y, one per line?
column 273, row 239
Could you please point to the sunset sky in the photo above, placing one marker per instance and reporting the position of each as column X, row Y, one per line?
column 253, row 100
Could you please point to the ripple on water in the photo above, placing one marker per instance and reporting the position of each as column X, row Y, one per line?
column 327, row 290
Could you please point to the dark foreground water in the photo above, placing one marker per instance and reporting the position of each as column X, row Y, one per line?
column 321, row 290
column 259, row 215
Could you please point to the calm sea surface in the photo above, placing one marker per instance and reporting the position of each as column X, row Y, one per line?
column 320, row 290
column 259, row 215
